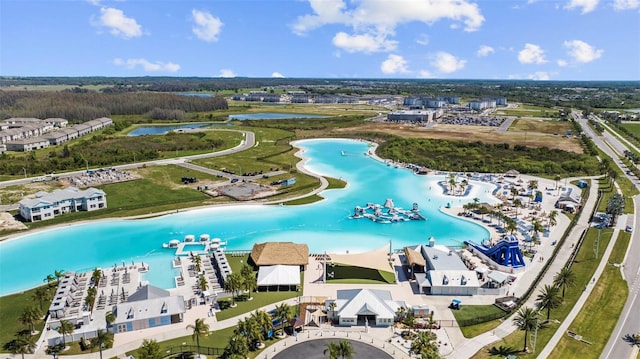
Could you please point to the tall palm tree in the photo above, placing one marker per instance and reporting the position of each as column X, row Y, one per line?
column 96, row 276
column 532, row 185
column 425, row 345
column 49, row 279
column 284, row 314
column 332, row 308
column 237, row 346
column 526, row 319
column 564, row 279
column 41, row 294
column 197, row 261
column 511, row 225
column 549, row 298
column 109, row 318
column 553, row 215
column 29, row 317
column 536, row 227
column 66, row 327
column 517, row 203
column 452, row 183
column 150, row 349
column 102, row 339
column 249, row 279
column 199, row 328
column 263, row 321
column 24, row 343
column 337, row 350
column 58, row 274
column 513, row 191
column 331, row 349
column 557, row 178
column 202, row 283
column 233, row 284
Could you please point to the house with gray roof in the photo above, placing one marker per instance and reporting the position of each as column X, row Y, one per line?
column 47, row 205
column 373, row 307
column 148, row 307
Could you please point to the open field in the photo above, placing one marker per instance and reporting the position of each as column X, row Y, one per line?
column 465, row 133
column 470, row 312
column 11, row 307
column 551, row 127
column 304, row 108
column 50, row 87
column 633, row 128
column 528, row 111
column 600, row 313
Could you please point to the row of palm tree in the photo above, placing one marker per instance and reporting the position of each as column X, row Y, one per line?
column 527, row 318
column 245, row 280
column 54, row 278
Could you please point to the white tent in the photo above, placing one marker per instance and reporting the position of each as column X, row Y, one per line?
column 278, row 275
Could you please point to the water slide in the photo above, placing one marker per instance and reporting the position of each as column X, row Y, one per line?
column 506, row 252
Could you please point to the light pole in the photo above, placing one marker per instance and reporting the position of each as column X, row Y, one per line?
column 25, row 176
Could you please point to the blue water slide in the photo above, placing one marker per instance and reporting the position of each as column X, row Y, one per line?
column 507, row 252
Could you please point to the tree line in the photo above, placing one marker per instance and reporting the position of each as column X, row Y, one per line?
column 81, row 107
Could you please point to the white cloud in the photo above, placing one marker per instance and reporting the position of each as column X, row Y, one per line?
column 425, row 74
column 447, row 63
column 118, row 23
column 363, row 43
column 531, row 54
column 586, row 5
column 207, row 27
column 562, row 63
column 485, row 50
column 394, row 64
column 276, row 74
column 626, row 4
column 423, row 39
column 582, row 52
column 539, row 76
column 147, row 65
column 226, row 73
column 377, row 19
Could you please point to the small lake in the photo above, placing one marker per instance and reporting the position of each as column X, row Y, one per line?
column 635, row 110
column 161, row 130
column 272, row 116
column 196, row 94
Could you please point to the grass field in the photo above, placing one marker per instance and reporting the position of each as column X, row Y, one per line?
column 11, row 306
column 469, row 312
column 528, row 111
column 583, row 267
column 358, row 275
column 633, row 128
column 551, row 127
column 600, row 313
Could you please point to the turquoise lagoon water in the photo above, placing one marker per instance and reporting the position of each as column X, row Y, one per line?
column 272, row 116
column 325, row 226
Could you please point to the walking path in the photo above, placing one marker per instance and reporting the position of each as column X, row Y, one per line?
column 468, row 347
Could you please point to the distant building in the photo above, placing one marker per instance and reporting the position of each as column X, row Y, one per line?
column 413, row 116
column 48, row 205
column 27, row 144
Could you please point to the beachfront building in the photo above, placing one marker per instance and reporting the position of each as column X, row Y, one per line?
column 47, row 205
column 148, row 307
column 441, row 271
column 372, row 307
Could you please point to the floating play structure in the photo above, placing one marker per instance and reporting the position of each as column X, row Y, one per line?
column 387, row 213
column 506, row 252
column 189, row 245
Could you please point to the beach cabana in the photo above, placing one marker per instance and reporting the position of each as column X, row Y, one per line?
column 415, row 260
column 280, row 253
column 278, row 276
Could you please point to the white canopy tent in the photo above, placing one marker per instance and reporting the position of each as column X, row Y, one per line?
column 278, row 275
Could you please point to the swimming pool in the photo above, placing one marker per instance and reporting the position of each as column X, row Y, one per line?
column 325, row 226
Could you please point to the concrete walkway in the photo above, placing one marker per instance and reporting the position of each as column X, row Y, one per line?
column 469, row 347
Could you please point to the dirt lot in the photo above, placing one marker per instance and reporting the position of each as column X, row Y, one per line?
column 8, row 223
column 469, row 133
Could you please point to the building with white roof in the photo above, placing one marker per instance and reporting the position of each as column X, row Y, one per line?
column 444, row 272
column 365, row 306
column 148, row 307
column 47, row 205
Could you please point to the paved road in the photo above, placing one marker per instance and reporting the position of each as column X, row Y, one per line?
column 313, row 349
column 629, row 321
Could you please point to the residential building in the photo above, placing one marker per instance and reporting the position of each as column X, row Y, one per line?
column 27, row 144
column 48, row 205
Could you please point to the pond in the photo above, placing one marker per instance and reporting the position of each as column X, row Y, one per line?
column 272, row 116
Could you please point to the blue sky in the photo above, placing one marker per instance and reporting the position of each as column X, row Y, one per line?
column 462, row 39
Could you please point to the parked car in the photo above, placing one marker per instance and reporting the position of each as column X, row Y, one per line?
column 629, row 229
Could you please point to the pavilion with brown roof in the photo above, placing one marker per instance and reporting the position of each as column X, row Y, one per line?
column 415, row 260
column 280, row 253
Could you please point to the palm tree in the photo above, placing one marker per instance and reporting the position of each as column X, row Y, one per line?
column 24, row 343
column 514, row 191
column 249, row 279
column 264, row 321
column 517, row 203
column 553, row 215
column 199, row 328
column 532, row 186
column 549, row 298
column 452, row 182
column 41, row 294
column 401, row 312
column 198, row 262
column 536, row 227
column 58, row 274
column 202, row 283
column 564, row 279
column 332, row 308
column 49, row 279
column 102, row 339
column 96, row 276
column 109, row 318
column 66, row 327
column 557, row 178
column 233, row 284
column 283, row 313
column 237, row 346
column 511, row 225
column 150, row 349
column 425, row 345
column 342, row 349
column 526, row 319
column 29, row 317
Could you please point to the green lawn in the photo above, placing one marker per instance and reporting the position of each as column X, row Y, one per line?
column 548, row 126
column 583, row 267
column 633, row 128
column 470, row 313
column 600, row 313
column 528, row 111
column 358, row 275
column 11, row 306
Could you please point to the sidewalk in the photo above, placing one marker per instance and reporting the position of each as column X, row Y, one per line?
column 469, row 347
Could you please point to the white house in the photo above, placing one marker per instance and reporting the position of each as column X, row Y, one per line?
column 372, row 307
column 148, row 307
column 47, row 205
